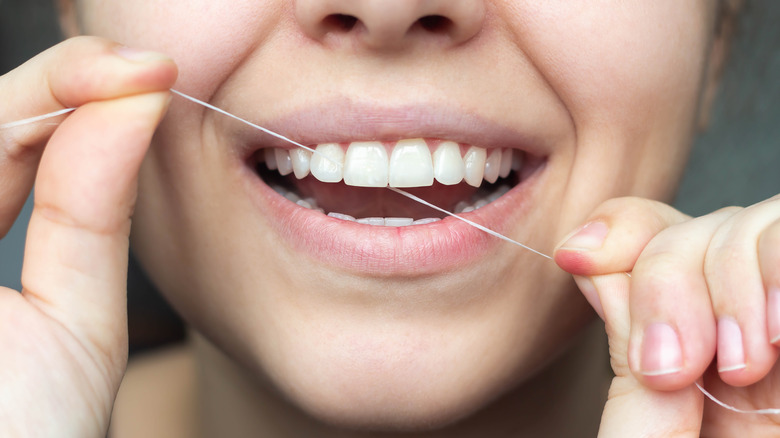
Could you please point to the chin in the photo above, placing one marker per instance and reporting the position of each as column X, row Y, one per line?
column 399, row 400
column 407, row 377
column 400, row 368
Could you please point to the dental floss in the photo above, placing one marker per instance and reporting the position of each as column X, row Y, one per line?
column 36, row 118
column 399, row 191
column 732, row 408
column 253, row 125
column 473, row 224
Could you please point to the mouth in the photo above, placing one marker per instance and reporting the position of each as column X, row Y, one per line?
column 348, row 181
column 333, row 205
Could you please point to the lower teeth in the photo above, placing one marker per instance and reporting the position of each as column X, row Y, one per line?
column 461, row 207
column 465, row 207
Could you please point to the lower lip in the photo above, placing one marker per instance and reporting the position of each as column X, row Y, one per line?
column 414, row 250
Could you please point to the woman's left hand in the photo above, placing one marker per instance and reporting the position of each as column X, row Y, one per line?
column 702, row 304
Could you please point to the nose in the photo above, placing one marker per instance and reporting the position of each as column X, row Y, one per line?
column 390, row 24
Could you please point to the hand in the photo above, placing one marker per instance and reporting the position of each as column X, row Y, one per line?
column 63, row 339
column 698, row 286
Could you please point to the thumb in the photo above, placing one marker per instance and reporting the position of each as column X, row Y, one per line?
column 614, row 236
column 633, row 410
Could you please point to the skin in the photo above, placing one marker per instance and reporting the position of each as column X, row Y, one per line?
column 288, row 330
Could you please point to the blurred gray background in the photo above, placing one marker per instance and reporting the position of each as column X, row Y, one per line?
column 736, row 162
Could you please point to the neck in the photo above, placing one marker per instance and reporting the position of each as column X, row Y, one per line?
column 564, row 400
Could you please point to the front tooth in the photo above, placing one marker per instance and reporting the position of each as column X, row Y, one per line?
column 301, row 159
column 342, row 216
column 410, row 164
column 448, row 164
column 398, row 221
column 376, row 221
column 366, row 164
column 427, row 220
column 270, row 158
column 474, row 162
column 283, row 161
column 506, row 163
column 493, row 166
column 327, row 163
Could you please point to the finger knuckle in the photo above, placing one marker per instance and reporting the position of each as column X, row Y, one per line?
column 660, row 272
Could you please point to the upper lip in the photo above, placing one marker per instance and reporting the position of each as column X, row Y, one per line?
column 344, row 120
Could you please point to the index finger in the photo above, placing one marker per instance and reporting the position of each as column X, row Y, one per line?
column 79, row 70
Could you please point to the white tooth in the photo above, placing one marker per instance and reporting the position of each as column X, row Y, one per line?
column 380, row 221
column 410, row 164
column 292, row 197
column 303, row 204
column 327, row 163
column 447, row 163
column 479, row 204
column 366, row 164
column 319, row 210
column 344, row 217
column 468, row 210
column 270, row 158
column 506, row 163
column 427, row 220
column 300, row 162
column 474, row 162
column 311, row 201
column 498, row 193
column 492, row 165
column 460, row 206
column 517, row 161
column 283, row 162
column 398, row 221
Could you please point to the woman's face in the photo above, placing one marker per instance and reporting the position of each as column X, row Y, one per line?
column 364, row 324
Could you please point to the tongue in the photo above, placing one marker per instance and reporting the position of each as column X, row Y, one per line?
column 380, row 202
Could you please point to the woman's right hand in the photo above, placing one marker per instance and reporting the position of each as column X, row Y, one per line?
column 63, row 339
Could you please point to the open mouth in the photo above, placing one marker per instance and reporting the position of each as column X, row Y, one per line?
column 348, row 181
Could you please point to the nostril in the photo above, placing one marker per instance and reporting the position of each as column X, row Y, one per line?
column 390, row 24
column 340, row 22
column 435, row 23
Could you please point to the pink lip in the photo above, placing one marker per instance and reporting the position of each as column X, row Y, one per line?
column 343, row 120
column 388, row 251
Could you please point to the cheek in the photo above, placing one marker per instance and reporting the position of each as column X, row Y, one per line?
column 635, row 62
column 630, row 75
column 207, row 39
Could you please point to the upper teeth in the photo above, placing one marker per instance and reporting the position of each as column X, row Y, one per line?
column 410, row 164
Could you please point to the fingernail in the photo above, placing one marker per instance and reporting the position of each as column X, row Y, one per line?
column 137, row 55
column 590, row 237
column 590, row 293
column 661, row 352
column 731, row 354
column 773, row 314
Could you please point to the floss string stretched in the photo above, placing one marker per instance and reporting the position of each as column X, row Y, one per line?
column 36, row 119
